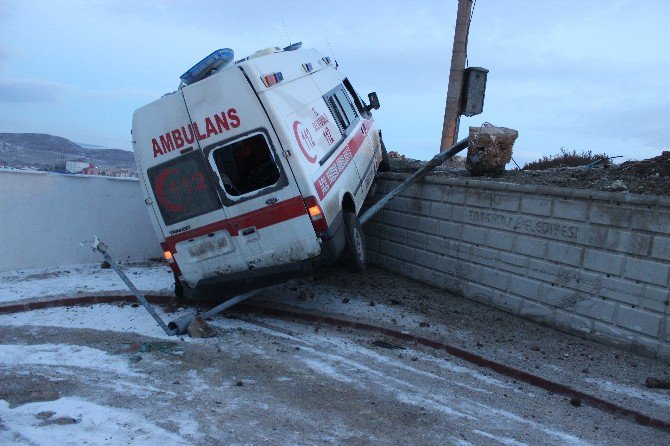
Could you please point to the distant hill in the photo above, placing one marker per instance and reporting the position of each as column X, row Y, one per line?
column 44, row 151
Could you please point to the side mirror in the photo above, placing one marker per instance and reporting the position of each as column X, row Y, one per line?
column 374, row 102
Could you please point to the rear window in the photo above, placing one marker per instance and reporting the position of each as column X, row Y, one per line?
column 246, row 165
column 183, row 189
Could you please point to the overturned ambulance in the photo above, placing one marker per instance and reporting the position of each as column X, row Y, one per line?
column 254, row 171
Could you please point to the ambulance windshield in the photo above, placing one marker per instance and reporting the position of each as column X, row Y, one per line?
column 246, row 165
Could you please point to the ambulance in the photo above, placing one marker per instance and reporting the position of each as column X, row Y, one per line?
column 254, row 171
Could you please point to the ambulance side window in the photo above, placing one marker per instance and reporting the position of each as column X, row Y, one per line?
column 246, row 165
column 341, row 108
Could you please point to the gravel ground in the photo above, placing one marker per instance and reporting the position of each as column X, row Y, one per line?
column 650, row 176
column 275, row 381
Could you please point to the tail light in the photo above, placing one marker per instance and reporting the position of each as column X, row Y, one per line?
column 316, row 215
column 167, row 254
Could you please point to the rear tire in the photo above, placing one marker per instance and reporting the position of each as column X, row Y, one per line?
column 355, row 247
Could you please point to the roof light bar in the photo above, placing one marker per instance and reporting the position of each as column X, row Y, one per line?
column 307, row 67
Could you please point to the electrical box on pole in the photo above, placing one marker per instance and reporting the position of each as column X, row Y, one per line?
column 474, row 87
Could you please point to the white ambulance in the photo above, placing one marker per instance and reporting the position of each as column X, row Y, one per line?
column 254, row 171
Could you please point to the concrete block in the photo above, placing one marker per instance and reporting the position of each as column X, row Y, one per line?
column 620, row 296
column 425, row 258
column 428, row 225
column 592, row 236
column 412, row 271
column 571, row 210
column 479, row 293
column 505, row 202
column 525, row 287
column 536, row 205
column 596, row 309
column 474, row 234
column 408, row 221
column 401, row 204
column 603, row 262
column 638, row 320
column 516, row 261
column 419, row 207
column 450, row 230
column 661, row 248
column 432, row 192
column 387, row 247
column 570, row 321
column 460, row 215
column 610, row 215
column 478, row 198
column 404, row 253
column 530, row 246
column 441, row 210
column 647, row 272
column 484, row 256
column 500, row 240
column 542, row 270
column 413, row 191
column 646, row 346
column 495, row 279
column 390, row 217
column 371, row 242
column 564, row 253
column 416, row 239
column 437, row 279
column 437, row 244
column 653, row 220
column 559, row 297
column 446, row 265
column 537, row 311
column 664, row 352
column 589, row 283
column 454, row 195
column 391, row 233
column 657, row 294
column 393, row 265
column 628, row 242
column 507, row 301
column 612, row 335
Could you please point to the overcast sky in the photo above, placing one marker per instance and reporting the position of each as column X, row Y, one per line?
column 579, row 74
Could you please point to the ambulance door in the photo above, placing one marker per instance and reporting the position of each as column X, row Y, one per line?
column 266, row 212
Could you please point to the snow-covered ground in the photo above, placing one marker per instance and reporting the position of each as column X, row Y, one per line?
column 107, row 374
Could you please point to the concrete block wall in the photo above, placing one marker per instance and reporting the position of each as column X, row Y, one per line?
column 45, row 216
column 596, row 264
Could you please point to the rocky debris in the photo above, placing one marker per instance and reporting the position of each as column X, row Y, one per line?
column 424, row 324
column 489, row 149
column 198, row 328
column 45, row 415
column 239, row 383
column 575, row 402
column 655, row 383
column 650, row 176
column 62, row 421
column 617, row 186
column 135, row 358
column 105, row 265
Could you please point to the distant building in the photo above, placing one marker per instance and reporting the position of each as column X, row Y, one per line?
column 90, row 170
column 76, row 166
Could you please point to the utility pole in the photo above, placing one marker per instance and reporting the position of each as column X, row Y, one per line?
column 458, row 55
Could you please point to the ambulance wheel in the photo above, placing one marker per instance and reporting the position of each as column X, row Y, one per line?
column 355, row 248
column 178, row 289
column 385, row 164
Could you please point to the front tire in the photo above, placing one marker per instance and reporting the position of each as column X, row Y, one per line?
column 355, row 247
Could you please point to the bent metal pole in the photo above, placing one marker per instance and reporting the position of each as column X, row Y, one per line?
column 102, row 249
column 432, row 164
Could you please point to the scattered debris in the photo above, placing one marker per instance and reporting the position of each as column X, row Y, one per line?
column 489, row 149
column 387, row 345
column 655, row 383
column 45, row 415
column 135, row 358
column 239, row 383
column 372, row 303
column 480, row 344
column 345, row 300
column 575, row 402
column 105, row 265
column 424, row 324
column 198, row 328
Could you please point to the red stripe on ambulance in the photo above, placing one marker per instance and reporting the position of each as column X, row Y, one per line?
column 259, row 218
column 334, row 171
